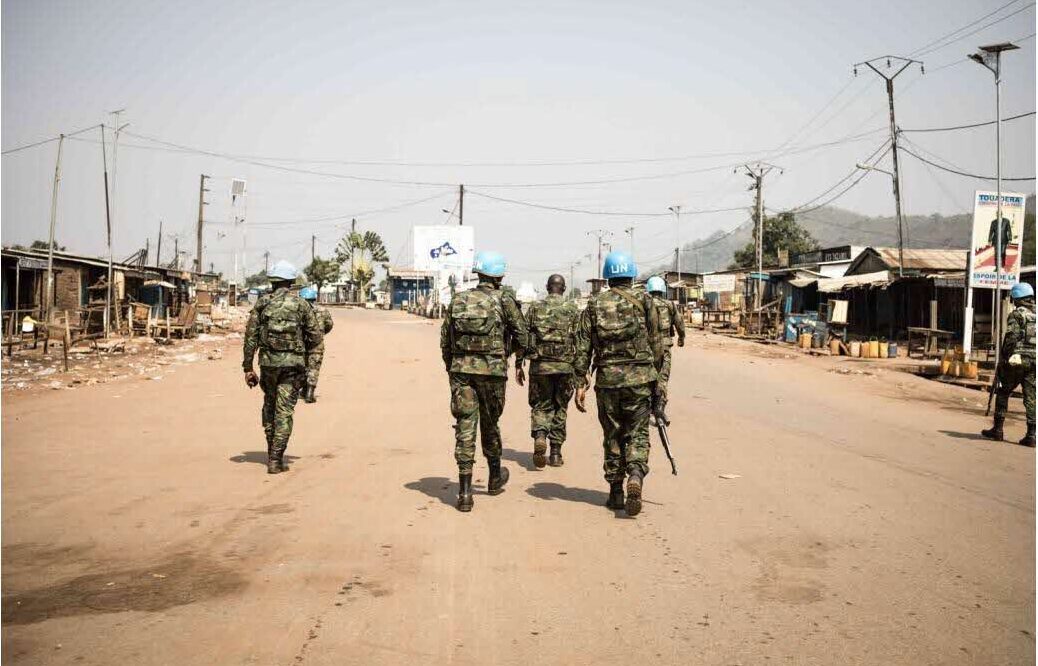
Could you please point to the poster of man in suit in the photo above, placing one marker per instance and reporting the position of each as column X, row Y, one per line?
column 995, row 239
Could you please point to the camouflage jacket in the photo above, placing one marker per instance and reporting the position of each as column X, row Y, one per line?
column 1019, row 337
column 671, row 321
column 619, row 332
column 284, row 329
column 553, row 329
column 505, row 322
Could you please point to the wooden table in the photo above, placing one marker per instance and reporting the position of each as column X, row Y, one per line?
column 931, row 340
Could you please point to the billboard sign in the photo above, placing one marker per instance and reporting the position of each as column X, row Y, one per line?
column 444, row 248
column 718, row 284
column 986, row 226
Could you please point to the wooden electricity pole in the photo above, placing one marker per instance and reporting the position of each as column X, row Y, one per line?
column 49, row 300
column 201, row 204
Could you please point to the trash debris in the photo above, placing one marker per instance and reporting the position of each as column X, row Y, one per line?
column 730, row 476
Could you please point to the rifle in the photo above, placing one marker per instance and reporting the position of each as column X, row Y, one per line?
column 994, row 385
column 661, row 427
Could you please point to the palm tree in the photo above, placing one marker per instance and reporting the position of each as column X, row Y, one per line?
column 362, row 251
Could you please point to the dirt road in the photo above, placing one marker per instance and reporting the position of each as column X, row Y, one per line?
column 864, row 527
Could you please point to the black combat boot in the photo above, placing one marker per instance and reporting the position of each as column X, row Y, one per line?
column 273, row 464
column 281, row 461
column 498, row 478
column 1028, row 439
column 540, row 447
column 555, row 459
column 465, row 492
column 633, row 505
column 309, row 395
column 616, row 495
column 995, row 431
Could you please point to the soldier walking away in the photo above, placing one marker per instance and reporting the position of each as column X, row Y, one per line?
column 619, row 334
column 474, row 344
column 315, row 357
column 1016, row 367
column 284, row 329
column 671, row 322
column 553, row 348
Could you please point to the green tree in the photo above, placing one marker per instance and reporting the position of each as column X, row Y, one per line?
column 361, row 251
column 256, row 280
column 322, row 271
column 44, row 245
column 780, row 232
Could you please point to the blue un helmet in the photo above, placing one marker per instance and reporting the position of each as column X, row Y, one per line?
column 1021, row 290
column 283, row 270
column 491, row 264
column 656, row 285
column 308, row 293
column 619, row 264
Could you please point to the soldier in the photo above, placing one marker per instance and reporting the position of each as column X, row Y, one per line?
column 671, row 321
column 553, row 326
column 473, row 341
column 316, row 357
column 1016, row 367
column 619, row 331
column 283, row 327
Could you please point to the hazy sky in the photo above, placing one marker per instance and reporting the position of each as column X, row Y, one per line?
column 456, row 89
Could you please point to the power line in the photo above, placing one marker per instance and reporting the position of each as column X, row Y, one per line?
column 960, row 127
column 973, row 32
column 46, row 141
column 584, row 211
column 972, row 23
column 346, row 216
column 963, row 173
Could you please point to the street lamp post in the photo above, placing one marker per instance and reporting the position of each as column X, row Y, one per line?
column 677, row 248
column 991, row 57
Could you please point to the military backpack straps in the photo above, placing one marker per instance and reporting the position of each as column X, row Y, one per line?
column 477, row 323
column 280, row 325
column 666, row 314
column 619, row 326
column 1026, row 346
column 553, row 324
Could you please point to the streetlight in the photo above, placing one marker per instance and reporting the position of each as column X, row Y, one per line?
column 630, row 232
column 991, row 58
column 676, row 209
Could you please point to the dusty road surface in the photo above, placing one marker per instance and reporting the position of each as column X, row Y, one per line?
column 867, row 525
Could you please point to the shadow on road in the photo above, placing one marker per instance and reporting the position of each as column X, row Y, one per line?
column 257, row 457
column 557, row 491
column 524, row 458
column 436, row 487
column 973, row 436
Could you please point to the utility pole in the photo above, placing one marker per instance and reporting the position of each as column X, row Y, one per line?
column 108, row 224
column 266, row 262
column 353, row 251
column 147, row 250
column 599, row 235
column 904, row 63
column 461, row 205
column 49, row 300
column 176, row 252
column 313, row 247
column 991, row 57
column 158, row 251
column 118, row 127
column 201, row 204
column 630, row 232
column 757, row 172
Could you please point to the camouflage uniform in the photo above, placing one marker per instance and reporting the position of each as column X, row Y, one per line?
column 619, row 330
column 474, row 348
column 553, row 326
column 284, row 328
column 1019, row 339
column 671, row 321
column 316, row 356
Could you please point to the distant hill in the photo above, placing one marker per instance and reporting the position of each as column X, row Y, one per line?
column 832, row 226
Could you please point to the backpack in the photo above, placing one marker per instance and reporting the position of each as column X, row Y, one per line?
column 666, row 316
column 620, row 328
column 477, row 323
column 1029, row 337
column 280, row 324
column 553, row 326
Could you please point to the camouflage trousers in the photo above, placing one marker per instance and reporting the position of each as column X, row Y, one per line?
column 549, row 397
column 664, row 375
column 624, row 415
column 1009, row 377
column 281, row 387
column 476, row 400
column 313, row 372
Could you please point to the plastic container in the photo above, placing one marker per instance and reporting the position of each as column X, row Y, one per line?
column 855, row 348
column 892, row 350
column 805, row 340
column 873, row 348
column 817, row 341
column 834, row 347
column 969, row 370
column 884, row 350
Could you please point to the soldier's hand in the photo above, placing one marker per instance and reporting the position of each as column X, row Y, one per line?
column 520, row 375
column 251, row 379
column 1015, row 360
column 581, row 396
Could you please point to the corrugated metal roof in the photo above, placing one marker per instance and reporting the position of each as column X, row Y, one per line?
column 925, row 259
